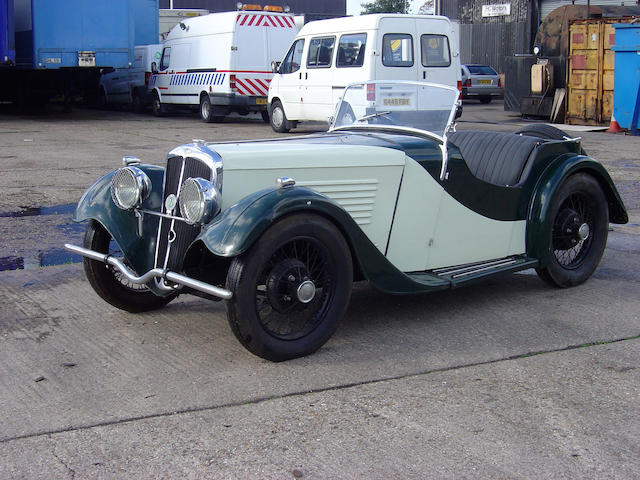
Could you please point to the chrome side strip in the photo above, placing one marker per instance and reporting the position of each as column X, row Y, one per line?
column 471, row 272
column 151, row 274
column 472, row 267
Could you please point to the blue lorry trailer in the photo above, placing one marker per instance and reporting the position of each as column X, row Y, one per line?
column 61, row 47
column 7, row 49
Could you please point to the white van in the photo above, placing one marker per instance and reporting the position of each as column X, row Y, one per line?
column 329, row 54
column 129, row 86
column 221, row 62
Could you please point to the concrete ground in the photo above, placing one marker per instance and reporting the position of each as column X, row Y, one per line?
column 505, row 379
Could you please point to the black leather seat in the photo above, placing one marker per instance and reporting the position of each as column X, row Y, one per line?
column 495, row 157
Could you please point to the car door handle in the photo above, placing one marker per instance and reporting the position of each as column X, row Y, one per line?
column 424, row 75
column 306, row 75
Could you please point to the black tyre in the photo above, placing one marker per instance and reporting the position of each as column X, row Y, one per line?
column 208, row 112
column 265, row 116
column 291, row 288
column 157, row 106
column 546, row 132
column 580, row 216
column 102, row 99
column 136, row 104
column 109, row 283
column 485, row 100
column 278, row 118
column 542, row 130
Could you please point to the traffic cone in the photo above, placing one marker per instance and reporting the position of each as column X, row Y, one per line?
column 614, row 127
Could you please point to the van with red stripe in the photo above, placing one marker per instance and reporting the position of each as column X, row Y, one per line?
column 221, row 62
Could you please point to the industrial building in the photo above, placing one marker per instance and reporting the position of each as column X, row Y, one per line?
column 311, row 9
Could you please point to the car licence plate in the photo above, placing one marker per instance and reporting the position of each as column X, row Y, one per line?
column 396, row 101
column 484, row 82
column 261, row 101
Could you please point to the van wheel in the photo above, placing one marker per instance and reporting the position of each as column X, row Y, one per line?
column 485, row 100
column 102, row 99
column 265, row 116
column 279, row 121
column 207, row 112
column 136, row 104
column 157, row 106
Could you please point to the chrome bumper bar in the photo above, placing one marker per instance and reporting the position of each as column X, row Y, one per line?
column 151, row 274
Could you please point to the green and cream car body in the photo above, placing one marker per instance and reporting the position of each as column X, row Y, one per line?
column 279, row 229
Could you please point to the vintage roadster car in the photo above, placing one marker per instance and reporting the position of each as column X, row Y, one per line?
column 280, row 229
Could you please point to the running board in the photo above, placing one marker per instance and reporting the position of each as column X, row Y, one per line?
column 471, row 272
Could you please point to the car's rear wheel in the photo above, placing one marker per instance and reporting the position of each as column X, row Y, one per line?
column 109, row 283
column 579, row 232
column 291, row 288
column 278, row 118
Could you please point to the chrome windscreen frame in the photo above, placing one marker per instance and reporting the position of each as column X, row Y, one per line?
column 441, row 140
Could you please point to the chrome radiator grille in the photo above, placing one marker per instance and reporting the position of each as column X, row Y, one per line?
column 175, row 236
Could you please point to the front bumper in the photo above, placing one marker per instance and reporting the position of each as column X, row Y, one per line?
column 151, row 274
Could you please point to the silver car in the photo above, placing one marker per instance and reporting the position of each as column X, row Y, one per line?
column 481, row 82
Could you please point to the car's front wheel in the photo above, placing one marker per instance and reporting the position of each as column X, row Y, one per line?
column 579, row 232
column 291, row 288
column 109, row 283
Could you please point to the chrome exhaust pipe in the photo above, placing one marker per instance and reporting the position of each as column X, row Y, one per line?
column 151, row 274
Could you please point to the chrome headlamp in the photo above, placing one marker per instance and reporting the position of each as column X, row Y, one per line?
column 130, row 186
column 198, row 200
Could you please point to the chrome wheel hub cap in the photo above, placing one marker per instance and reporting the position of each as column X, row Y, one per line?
column 583, row 231
column 278, row 117
column 306, row 291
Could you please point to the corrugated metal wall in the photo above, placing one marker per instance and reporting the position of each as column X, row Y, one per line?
column 489, row 40
column 490, row 43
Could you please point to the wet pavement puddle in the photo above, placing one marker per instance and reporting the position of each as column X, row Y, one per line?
column 37, row 211
column 54, row 256
column 48, row 256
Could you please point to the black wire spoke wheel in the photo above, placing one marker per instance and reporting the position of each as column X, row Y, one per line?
column 291, row 288
column 110, row 283
column 579, row 231
column 571, row 236
column 295, row 288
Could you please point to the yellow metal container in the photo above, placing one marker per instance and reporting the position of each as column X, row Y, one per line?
column 590, row 72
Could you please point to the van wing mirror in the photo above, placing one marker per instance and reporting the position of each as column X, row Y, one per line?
column 154, row 67
column 275, row 66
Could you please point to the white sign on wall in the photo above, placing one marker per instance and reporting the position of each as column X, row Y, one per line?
column 496, row 10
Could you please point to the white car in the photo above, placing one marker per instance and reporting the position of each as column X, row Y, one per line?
column 279, row 229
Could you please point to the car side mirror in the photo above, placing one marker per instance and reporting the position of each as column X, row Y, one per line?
column 275, row 66
column 154, row 67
